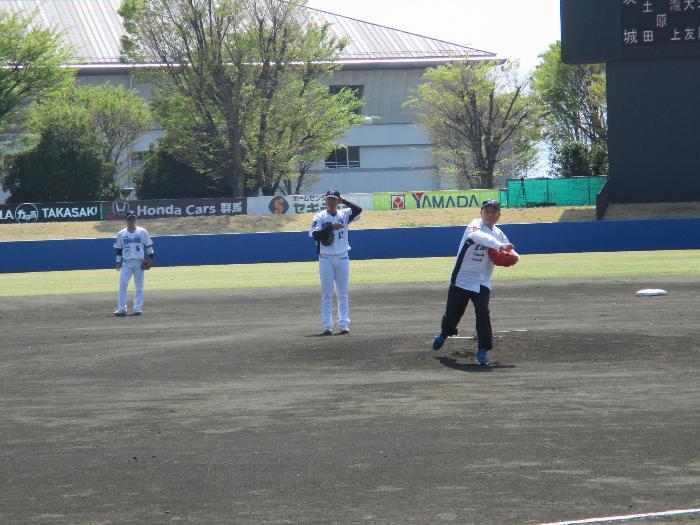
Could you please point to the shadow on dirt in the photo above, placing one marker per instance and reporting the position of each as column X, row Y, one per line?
column 451, row 362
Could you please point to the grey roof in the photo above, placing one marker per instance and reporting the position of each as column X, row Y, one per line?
column 93, row 28
column 370, row 41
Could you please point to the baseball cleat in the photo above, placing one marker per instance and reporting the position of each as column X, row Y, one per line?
column 344, row 330
column 481, row 358
column 327, row 331
column 439, row 341
column 119, row 313
column 137, row 313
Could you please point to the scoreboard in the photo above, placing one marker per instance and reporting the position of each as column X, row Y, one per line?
column 660, row 22
column 595, row 31
column 651, row 49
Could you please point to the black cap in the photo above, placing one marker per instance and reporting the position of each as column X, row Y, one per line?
column 333, row 194
column 491, row 202
column 131, row 216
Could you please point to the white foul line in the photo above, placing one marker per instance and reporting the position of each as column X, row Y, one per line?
column 471, row 337
column 629, row 517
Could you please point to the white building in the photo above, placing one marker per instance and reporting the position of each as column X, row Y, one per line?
column 390, row 152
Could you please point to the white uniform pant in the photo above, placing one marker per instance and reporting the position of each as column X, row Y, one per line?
column 129, row 268
column 335, row 273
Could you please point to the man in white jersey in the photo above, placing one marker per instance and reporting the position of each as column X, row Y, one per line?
column 134, row 255
column 329, row 229
column 471, row 279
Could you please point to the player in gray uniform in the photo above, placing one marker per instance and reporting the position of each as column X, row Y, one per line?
column 471, row 279
column 134, row 255
column 329, row 228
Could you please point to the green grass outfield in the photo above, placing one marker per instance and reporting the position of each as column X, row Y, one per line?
column 391, row 271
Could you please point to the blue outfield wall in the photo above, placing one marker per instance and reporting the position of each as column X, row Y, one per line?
column 242, row 248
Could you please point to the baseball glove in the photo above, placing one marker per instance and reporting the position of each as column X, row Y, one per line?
column 146, row 264
column 503, row 258
column 327, row 235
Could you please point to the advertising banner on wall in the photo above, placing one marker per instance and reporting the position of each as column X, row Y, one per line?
column 49, row 212
column 291, row 204
column 166, row 208
column 412, row 200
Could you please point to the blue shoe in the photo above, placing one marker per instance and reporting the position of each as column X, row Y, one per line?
column 481, row 359
column 439, row 341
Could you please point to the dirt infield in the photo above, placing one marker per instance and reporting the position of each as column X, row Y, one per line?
column 226, row 407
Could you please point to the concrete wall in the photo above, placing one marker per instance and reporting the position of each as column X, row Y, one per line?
column 385, row 91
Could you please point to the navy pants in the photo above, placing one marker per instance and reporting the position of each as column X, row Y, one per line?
column 457, row 301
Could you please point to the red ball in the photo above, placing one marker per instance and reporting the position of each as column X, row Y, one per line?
column 503, row 257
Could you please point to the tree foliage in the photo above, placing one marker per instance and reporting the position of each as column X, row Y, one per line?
column 578, row 159
column 478, row 116
column 238, row 80
column 571, row 100
column 307, row 122
column 572, row 160
column 32, row 69
column 165, row 176
column 66, row 165
column 82, row 133
column 118, row 116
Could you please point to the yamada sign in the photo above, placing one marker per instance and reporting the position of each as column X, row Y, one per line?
column 432, row 199
column 49, row 212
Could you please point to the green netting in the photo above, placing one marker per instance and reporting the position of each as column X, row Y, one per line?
column 503, row 196
column 577, row 191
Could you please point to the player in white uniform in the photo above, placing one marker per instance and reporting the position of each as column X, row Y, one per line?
column 329, row 229
column 471, row 279
column 134, row 255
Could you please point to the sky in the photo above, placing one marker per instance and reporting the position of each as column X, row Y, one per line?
column 520, row 29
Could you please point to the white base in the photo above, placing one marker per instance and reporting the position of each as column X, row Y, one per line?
column 651, row 292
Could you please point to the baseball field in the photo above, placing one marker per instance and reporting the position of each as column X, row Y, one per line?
column 221, row 404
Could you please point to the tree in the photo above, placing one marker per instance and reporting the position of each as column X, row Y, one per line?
column 307, row 122
column 235, row 67
column 599, row 160
column 478, row 117
column 66, row 165
column 32, row 69
column 165, row 176
column 572, row 103
column 572, row 160
column 295, row 119
column 577, row 159
column 118, row 116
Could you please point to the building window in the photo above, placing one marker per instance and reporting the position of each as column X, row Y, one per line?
column 344, row 158
column 358, row 89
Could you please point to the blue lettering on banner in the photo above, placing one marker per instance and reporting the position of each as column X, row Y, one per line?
column 462, row 201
